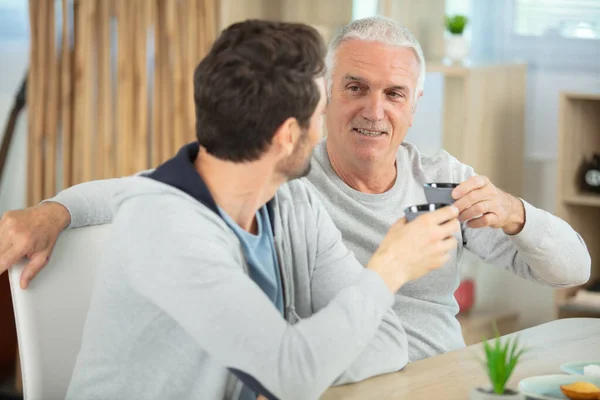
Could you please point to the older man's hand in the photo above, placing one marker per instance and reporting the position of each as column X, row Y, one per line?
column 31, row 233
column 482, row 204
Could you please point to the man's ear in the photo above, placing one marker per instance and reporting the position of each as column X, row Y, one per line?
column 287, row 135
column 414, row 109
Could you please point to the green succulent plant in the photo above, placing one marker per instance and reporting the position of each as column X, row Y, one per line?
column 501, row 359
column 456, row 24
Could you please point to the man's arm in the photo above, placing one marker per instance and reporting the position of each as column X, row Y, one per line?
column 89, row 203
column 546, row 250
column 33, row 232
column 509, row 232
column 337, row 268
column 207, row 292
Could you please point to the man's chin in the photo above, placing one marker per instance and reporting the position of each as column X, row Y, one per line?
column 300, row 174
column 368, row 153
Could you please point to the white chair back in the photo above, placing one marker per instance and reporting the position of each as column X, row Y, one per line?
column 51, row 313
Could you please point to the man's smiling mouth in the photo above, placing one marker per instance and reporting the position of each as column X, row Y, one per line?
column 367, row 132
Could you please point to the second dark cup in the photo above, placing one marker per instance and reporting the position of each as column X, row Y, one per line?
column 439, row 192
column 413, row 212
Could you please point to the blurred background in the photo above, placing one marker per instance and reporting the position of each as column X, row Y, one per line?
column 512, row 88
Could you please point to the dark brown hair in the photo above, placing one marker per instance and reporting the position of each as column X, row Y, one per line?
column 256, row 75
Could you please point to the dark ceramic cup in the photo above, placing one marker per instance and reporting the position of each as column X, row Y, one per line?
column 439, row 192
column 413, row 212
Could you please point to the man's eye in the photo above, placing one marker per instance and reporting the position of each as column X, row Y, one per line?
column 395, row 95
column 354, row 88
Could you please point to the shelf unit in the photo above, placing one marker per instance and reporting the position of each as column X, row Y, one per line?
column 579, row 138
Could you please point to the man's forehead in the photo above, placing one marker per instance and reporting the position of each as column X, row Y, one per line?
column 370, row 53
column 374, row 61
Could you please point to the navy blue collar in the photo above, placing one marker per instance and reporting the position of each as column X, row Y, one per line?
column 180, row 172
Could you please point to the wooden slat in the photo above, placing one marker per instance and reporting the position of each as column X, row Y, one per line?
column 104, row 143
column 90, row 81
column 31, row 99
column 140, row 131
column 210, row 25
column 157, row 103
column 66, row 98
column 125, row 87
column 191, row 60
column 148, row 21
column 201, row 32
column 79, row 71
column 53, row 79
column 37, row 152
column 168, row 136
column 178, row 75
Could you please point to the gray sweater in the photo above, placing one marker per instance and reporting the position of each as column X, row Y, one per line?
column 547, row 250
column 174, row 314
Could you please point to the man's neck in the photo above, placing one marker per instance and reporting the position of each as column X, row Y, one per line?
column 372, row 178
column 239, row 189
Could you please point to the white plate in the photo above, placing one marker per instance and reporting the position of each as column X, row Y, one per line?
column 576, row 367
column 547, row 387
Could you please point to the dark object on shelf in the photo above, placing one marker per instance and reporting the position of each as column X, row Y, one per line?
column 594, row 286
column 589, row 174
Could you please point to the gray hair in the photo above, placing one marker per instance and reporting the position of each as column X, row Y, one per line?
column 376, row 29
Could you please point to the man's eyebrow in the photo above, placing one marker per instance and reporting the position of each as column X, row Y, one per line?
column 355, row 78
column 400, row 87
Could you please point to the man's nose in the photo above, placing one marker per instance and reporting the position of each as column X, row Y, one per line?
column 373, row 108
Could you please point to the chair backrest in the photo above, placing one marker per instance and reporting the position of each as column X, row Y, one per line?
column 51, row 313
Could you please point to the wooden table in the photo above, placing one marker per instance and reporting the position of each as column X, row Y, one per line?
column 453, row 375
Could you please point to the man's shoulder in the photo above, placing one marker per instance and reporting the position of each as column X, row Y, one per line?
column 297, row 191
column 149, row 204
column 409, row 150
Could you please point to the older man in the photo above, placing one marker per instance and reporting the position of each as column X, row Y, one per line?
column 366, row 175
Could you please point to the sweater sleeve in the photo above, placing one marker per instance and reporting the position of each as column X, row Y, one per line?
column 548, row 250
column 89, row 203
column 337, row 268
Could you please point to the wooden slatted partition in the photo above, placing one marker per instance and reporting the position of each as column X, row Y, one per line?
column 110, row 92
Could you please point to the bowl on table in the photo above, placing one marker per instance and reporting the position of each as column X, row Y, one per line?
column 587, row 368
column 548, row 387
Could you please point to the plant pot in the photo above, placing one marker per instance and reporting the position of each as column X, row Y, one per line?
column 457, row 47
column 488, row 394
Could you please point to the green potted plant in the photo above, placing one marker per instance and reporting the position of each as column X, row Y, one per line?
column 500, row 359
column 456, row 43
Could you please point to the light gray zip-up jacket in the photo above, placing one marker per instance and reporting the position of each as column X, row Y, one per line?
column 174, row 314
